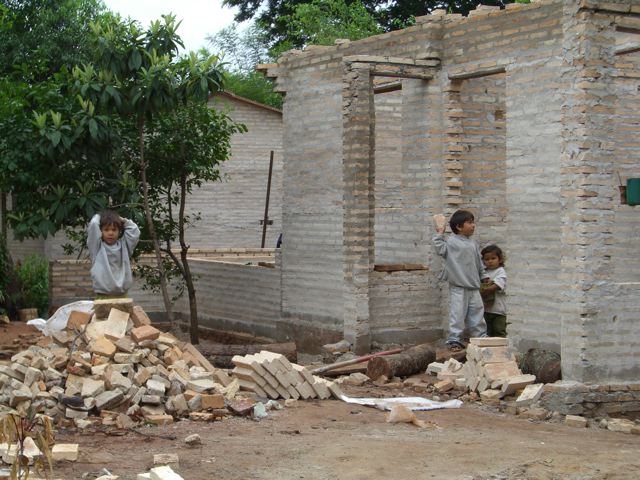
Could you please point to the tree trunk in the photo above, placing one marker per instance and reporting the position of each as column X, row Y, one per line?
column 221, row 354
column 152, row 230
column 412, row 360
column 186, row 271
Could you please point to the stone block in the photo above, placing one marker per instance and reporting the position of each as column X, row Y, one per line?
column 620, row 425
column 201, row 385
column 155, row 387
column 65, row 452
column 108, row 399
column 575, row 421
column 144, row 476
column 495, row 371
column 212, row 401
column 113, row 328
column 139, row 317
column 164, row 473
column 444, row 385
column 530, row 394
column 512, row 384
column 91, row 387
column 145, row 332
column 490, row 396
column 77, row 320
column 434, row 367
column 159, row 419
column 166, row 459
column 489, row 341
column 103, row 346
column 102, row 308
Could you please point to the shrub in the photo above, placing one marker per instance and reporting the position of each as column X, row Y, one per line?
column 33, row 276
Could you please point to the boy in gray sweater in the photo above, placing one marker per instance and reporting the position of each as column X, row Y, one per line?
column 111, row 240
column 464, row 270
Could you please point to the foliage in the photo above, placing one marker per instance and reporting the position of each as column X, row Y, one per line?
column 320, row 22
column 5, row 268
column 33, row 277
column 15, row 427
column 272, row 15
column 253, row 86
column 241, row 50
column 42, row 36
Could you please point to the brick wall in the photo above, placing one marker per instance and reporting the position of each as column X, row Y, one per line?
column 231, row 294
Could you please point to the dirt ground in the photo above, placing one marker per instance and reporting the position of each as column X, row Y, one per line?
column 331, row 439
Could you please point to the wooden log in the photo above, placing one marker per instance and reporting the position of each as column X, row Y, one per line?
column 544, row 364
column 413, row 360
column 220, row 354
column 326, row 368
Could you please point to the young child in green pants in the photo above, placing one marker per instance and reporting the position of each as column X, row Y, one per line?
column 494, row 292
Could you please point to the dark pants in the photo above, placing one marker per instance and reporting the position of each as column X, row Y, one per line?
column 496, row 324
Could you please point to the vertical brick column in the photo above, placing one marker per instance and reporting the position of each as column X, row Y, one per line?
column 454, row 146
column 587, row 200
column 358, row 169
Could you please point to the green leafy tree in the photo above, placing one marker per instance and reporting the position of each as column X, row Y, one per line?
column 138, row 77
column 241, row 51
column 45, row 35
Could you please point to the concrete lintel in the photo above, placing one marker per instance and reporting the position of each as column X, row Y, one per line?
column 375, row 59
column 476, row 72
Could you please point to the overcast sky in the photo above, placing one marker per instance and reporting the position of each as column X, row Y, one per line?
column 199, row 17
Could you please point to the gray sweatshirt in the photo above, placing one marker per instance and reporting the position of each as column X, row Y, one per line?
column 463, row 266
column 110, row 264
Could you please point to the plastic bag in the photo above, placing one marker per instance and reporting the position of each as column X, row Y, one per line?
column 58, row 321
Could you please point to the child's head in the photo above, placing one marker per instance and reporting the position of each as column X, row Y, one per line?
column 492, row 257
column 463, row 222
column 111, row 226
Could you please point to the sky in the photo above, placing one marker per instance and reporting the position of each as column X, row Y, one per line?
column 199, row 17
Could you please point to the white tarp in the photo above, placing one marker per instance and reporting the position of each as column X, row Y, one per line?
column 58, row 321
column 412, row 403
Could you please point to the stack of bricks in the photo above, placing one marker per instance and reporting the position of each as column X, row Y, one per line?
column 271, row 375
column 491, row 369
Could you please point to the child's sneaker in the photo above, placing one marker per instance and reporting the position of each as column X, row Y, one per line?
column 454, row 346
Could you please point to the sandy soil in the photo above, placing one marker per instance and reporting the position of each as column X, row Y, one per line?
column 334, row 440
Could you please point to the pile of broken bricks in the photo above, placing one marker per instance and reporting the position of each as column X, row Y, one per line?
column 271, row 375
column 490, row 370
column 116, row 365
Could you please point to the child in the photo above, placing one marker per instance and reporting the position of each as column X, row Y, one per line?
column 464, row 270
column 493, row 292
column 111, row 240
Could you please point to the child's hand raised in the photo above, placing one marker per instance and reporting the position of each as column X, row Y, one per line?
column 440, row 222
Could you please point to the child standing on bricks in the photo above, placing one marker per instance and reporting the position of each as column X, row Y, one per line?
column 111, row 240
column 464, row 270
column 494, row 292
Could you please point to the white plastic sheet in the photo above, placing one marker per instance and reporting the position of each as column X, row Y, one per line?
column 58, row 321
column 412, row 403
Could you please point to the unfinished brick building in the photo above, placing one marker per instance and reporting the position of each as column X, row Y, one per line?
column 528, row 116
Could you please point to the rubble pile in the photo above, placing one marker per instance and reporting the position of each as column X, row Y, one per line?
column 271, row 375
column 114, row 360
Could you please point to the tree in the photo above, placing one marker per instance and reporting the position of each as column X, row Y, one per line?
column 241, row 51
column 138, row 76
column 321, row 22
column 45, row 35
column 185, row 149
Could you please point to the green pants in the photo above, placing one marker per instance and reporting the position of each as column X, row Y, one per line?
column 496, row 324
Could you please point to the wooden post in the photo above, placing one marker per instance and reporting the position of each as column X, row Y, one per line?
column 265, row 220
